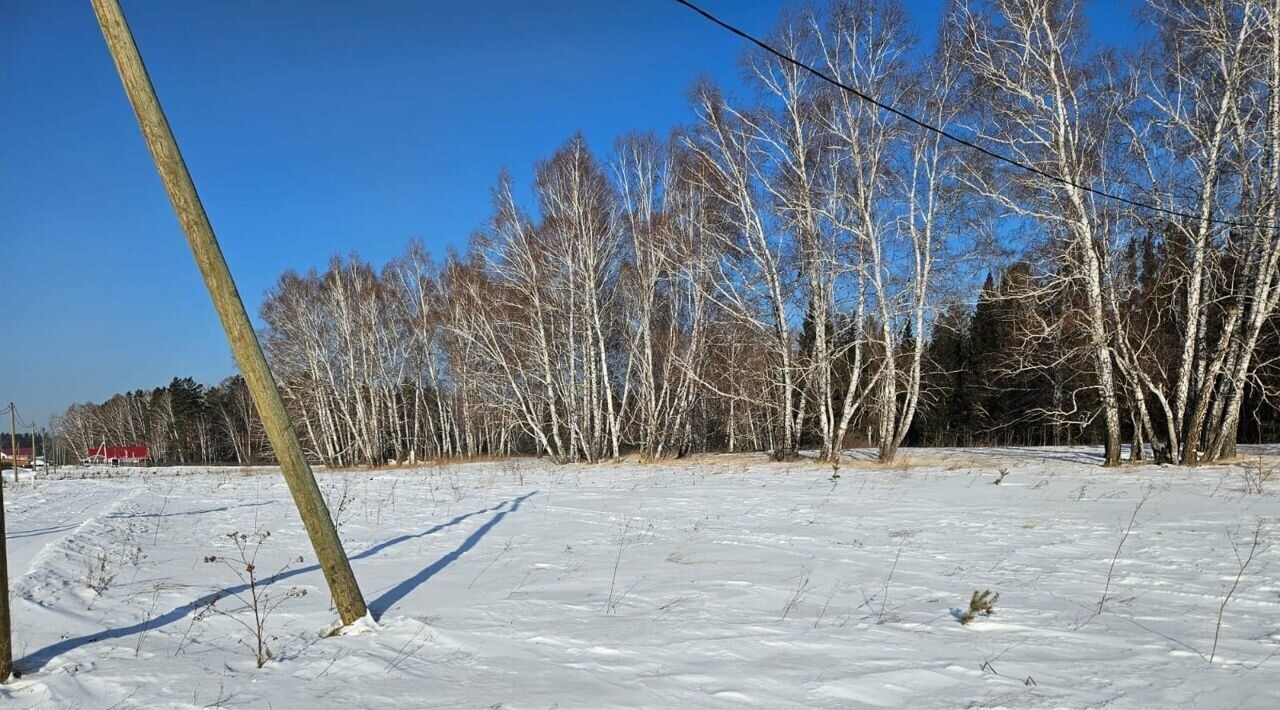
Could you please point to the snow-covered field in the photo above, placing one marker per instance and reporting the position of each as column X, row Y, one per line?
column 720, row 582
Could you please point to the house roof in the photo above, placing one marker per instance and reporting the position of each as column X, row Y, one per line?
column 138, row 451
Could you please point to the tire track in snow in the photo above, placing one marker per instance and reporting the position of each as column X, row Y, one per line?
column 47, row 542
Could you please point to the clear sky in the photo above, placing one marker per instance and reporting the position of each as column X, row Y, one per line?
column 311, row 128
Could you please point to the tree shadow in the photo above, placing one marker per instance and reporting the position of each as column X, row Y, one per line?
column 387, row 599
column 1083, row 454
column 41, row 531
column 181, row 513
column 1091, row 455
column 36, row 660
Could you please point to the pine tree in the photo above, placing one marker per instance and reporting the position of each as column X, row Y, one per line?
column 946, row 419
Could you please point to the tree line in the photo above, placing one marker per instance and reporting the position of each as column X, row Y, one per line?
column 183, row 422
column 798, row 269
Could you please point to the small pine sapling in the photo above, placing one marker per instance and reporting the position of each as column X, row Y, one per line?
column 981, row 603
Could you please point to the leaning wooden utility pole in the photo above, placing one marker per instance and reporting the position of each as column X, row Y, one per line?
column 6, row 632
column 244, row 342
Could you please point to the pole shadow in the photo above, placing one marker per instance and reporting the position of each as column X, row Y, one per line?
column 389, row 598
column 37, row 660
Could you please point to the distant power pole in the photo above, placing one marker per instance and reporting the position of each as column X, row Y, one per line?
column 13, row 439
column 226, row 299
column 6, row 633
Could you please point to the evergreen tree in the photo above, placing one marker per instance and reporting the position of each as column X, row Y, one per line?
column 949, row 411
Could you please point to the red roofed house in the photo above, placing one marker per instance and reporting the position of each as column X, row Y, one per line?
column 116, row 454
column 24, row 455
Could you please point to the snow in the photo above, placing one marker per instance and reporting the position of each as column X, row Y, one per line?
column 720, row 582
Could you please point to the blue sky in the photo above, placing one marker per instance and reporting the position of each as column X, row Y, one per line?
column 311, row 128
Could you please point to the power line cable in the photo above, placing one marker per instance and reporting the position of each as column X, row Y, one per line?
column 959, row 139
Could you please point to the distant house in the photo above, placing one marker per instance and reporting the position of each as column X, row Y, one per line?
column 24, row 455
column 117, row 454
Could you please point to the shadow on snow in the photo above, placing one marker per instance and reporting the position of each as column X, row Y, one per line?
column 36, row 660
column 183, row 513
column 387, row 599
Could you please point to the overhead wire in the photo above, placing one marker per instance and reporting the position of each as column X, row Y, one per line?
column 961, row 140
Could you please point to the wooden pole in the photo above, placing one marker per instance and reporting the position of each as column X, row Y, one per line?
column 244, row 342
column 13, row 439
column 6, row 632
